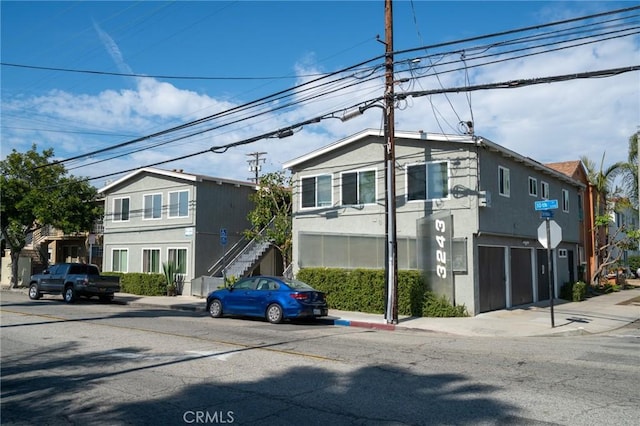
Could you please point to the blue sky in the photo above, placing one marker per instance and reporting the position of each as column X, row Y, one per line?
column 250, row 50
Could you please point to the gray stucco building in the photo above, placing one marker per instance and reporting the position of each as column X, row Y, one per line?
column 464, row 212
column 153, row 216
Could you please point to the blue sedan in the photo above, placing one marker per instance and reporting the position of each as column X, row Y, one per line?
column 272, row 298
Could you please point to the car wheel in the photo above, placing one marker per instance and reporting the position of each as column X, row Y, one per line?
column 274, row 314
column 215, row 308
column 34, row 294
column 69, row 295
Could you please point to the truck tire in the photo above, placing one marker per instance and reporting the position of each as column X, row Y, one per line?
column 34, row 294
column 69, row 294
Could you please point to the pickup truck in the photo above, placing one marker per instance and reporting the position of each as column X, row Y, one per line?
column 73, row 280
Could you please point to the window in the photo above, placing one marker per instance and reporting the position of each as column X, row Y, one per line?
column 562, row 252
column 428, row 181
column 544, row 188
column 152, row 206
column 178, row 257
column 120, row 209
column 504, row 181
column 359, row 187
column 565, row 200
column 316, row 191
column 151, row 261
column 533, row 186
column 119, row 260
column 179, row 204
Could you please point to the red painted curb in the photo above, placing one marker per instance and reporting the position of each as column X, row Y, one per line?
column 376, row 326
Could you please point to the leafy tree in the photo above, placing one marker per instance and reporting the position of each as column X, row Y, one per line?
column 37, row 192
column 272, row 212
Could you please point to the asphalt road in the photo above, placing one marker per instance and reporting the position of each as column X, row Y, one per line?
column 96, row 364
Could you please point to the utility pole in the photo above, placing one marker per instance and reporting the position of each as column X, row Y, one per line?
column 254, row 165
column 391, row 279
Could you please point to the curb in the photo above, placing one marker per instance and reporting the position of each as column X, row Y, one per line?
column 364, row 324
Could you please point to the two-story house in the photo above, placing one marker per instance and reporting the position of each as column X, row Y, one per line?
column 153, row 216
column 464, row 216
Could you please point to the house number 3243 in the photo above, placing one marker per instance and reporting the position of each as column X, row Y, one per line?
column 441, row 253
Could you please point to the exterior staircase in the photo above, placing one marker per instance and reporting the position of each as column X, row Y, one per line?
column 243, row 257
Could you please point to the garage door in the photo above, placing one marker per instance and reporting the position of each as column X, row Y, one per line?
column 491, row 266
column 521, row 277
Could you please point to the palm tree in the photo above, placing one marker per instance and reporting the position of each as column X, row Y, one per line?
column 603, row 181
column 630, row 171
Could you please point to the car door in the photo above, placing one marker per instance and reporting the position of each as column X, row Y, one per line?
column 239, row 299
column 264, row 294
column 54, row 279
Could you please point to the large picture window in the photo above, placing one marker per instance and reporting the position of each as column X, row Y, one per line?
column 359, row 187
column 120, row 209
column 152, row 206
column 316, row 191
column 179, row 204
column 151, row 261
column 429, row 181
column 119, row 260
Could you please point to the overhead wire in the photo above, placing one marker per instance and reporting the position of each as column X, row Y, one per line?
column 291, row 91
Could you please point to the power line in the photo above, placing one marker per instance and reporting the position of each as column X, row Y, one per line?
column 361, row 106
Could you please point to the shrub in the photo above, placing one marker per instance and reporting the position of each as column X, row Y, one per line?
column 566, row 291
column 576, row 292
column 634, row 263
column 363, row 290
column 579, row 291
column 141, row 284
column 435, row 306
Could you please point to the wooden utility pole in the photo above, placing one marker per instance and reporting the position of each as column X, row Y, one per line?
column 391, row 279
column 254, row 165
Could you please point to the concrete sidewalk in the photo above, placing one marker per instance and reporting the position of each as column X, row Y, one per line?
column 594, row 315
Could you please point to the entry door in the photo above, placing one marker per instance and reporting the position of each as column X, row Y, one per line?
column 572, row 276
column 521, row 277
column 543, row 275
column 491, row 266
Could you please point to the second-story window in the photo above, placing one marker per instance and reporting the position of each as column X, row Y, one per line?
column 152, row 206
column 428, row 181
column 565, row 200
column 359, row 187
column 316, row 191
column 533, row 186
column 179, row 204
column 120, row 209
column 544, row 189
column 504, row 181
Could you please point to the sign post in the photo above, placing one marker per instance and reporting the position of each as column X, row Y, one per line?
column 549, row 235
column 223, row 243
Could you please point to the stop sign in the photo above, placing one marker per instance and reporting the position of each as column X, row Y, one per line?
column 555, row 234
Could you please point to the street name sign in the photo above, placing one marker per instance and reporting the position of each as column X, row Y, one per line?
column 546, row 204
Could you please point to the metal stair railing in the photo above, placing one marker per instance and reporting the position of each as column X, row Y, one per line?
column 241, row 248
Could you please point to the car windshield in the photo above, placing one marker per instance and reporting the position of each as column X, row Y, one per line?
column 297, row 285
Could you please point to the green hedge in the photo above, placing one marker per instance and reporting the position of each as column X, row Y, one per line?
column 141, row 284
column 576, row 292
column 362, row 290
